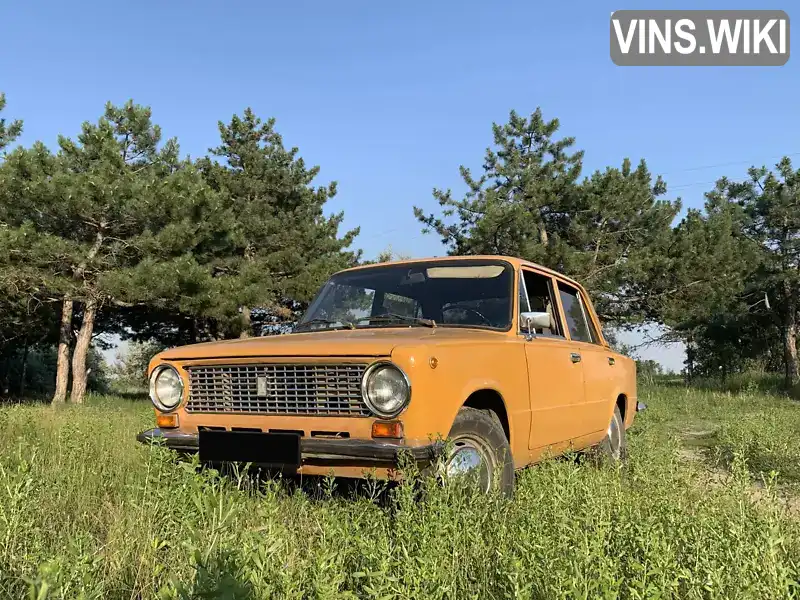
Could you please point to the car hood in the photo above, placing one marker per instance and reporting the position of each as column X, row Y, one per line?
column 357, row 342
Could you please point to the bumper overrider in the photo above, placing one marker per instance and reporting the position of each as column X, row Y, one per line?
column 314, row 450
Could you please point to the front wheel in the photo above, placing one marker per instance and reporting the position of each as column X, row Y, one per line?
column 479, row 449
column 614, row 447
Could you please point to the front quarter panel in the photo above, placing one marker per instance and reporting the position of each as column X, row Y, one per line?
column 462, row 369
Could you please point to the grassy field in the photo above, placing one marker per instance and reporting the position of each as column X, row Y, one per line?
column 706, row 507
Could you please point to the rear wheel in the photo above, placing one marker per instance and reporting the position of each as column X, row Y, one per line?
column 479, row 450
column 614, row 447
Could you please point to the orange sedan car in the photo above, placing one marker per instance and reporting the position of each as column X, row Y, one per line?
column 502, row 357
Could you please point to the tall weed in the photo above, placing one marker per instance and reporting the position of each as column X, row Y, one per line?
column 86, row 512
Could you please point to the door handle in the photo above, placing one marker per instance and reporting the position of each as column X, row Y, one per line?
column 611, row 360
column 575, row 357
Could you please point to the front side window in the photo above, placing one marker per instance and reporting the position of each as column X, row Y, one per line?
column 448, row 293
column 574, row 313
column 523, row 296
column 538, row 292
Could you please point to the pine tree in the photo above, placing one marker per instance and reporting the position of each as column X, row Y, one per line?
column 519, row 204
column 16, row 322
column 698, row 279
column 616, row 224
column 771, row 200
column 8, row 131
column 281, row 245
column 27, row 323
column 80, row 213
column 530, row 202
column 246, row 257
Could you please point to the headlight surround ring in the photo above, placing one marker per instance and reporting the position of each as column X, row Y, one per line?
column 396, row 405
column 166, row 388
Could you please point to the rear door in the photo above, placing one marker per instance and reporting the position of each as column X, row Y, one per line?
column 555, row 377
column 599, row 374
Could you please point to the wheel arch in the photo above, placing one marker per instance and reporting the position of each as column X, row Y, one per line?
column 622, row 403
column 490, row 399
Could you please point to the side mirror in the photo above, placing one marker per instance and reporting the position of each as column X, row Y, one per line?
column 530, row 321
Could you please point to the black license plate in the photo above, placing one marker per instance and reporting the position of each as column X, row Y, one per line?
column 270, row 449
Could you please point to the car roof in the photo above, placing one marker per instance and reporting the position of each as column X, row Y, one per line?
column 514, row 261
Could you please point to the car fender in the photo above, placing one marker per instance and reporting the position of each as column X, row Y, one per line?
column 459, row 373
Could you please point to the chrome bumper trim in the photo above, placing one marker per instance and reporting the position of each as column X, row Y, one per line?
column 312, row 449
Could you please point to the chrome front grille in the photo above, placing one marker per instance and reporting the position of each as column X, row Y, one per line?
column 278, row 389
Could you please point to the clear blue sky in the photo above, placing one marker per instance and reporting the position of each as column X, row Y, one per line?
column 390, row 98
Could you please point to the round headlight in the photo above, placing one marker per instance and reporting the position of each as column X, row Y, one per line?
column 386, row 389
column 166, row 388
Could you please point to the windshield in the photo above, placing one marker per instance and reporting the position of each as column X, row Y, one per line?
column 431, row 294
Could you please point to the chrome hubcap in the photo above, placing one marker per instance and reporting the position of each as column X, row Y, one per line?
column 469, row 460
column 464, row 460
column 614, row 437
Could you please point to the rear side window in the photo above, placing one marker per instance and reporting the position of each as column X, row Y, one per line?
column 574, row 314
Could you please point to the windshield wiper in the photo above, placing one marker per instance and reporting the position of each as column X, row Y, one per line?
column 319, row 321
column 389, row 317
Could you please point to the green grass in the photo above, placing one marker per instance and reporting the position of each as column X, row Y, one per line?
column 703, row 509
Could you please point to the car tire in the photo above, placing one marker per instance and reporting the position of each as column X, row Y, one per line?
column 477, row 445
column 614, row 446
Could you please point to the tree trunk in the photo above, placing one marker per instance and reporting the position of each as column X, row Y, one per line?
column 62, row 375
column 790, row 337
column 81, row 351
column 24, row 370
column 543, row 236
column 64, row 339
column 4, row 380
column 246, row 332
column 213, row 328
column 689, row 359
column 790, row 352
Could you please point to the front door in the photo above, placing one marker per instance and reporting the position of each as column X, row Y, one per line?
column 555, row 376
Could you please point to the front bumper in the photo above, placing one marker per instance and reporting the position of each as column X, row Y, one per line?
column 314, row 451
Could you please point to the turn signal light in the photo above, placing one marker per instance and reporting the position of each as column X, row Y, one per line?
column 167, row 421
column 387, row 429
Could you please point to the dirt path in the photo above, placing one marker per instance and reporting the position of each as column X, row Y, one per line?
column 697, row 450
